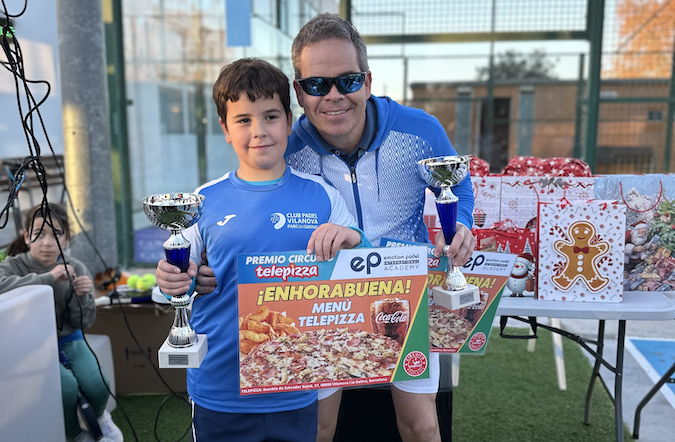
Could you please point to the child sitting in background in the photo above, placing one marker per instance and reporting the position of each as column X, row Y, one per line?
column 35, row 259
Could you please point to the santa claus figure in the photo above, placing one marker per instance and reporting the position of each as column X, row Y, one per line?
column 520, row 274
column 637, row 248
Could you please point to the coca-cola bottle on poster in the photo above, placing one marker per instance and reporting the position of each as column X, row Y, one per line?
column 391, row 317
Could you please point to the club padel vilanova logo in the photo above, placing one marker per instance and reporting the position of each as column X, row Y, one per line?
column 295, row 220
column 278, row 219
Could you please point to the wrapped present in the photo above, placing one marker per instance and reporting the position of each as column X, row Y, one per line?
column 581, row 249
column 564, row 167
column 650, row 227
column 486, row 195
column 521, row 194
column 505, row 237
column 548, row 167
column 522, row 166
column 513, row 241
column 478, row 167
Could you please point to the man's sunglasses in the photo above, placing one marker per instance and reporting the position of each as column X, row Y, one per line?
column 320, row 86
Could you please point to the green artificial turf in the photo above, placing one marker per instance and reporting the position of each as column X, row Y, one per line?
column 506, row 395
column 511, row 395
column 174, row 418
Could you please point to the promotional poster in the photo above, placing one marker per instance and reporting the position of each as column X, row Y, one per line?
column 358, row 319
column 466, row 330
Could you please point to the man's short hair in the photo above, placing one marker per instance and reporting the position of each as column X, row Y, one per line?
column 251, row 76
column 326, row 27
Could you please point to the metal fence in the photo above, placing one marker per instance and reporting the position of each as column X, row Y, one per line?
column 497, row 119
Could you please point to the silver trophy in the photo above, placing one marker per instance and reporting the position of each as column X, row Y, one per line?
column 175, row 212
column 448, row 172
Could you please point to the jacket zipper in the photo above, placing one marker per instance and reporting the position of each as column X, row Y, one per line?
column 357, row 199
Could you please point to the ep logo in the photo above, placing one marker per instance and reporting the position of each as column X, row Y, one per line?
column 372, row 260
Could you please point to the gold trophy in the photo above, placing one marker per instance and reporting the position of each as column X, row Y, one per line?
column 448, row 172
column 183, row 348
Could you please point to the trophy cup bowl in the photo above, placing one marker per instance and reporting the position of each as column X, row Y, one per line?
column 447, row 172
column 175, row 212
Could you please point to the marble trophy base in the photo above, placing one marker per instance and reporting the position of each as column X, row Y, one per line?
column 187, row 357
column 456, row 299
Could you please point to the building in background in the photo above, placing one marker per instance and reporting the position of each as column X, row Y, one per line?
column 173, row 52
column 540, row 118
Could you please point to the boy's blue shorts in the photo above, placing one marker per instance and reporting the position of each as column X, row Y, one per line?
column 284, row 426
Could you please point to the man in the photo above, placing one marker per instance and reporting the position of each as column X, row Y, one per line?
column 368, row 148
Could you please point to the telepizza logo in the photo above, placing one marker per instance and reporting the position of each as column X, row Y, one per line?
column 372, row 260
column 278, row 219
column 285, row 272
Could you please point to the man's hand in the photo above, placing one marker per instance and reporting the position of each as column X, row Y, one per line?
column 329, row 238
column 171, row 280
column 206, row 279
column 460, row 249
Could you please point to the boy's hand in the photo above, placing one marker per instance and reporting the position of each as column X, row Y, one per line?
column 461, row 248
column 82, row 285
column 170, row 279
column 329, row 238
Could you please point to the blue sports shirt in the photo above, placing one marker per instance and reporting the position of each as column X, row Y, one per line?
column 240, row 217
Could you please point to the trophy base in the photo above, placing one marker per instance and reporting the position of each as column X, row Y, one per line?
column 456, row 299
column 186, row 357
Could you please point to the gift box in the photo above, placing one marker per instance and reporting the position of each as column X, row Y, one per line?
column 521, row 194
column 581, row 249
column 650, row 227
column 486, row 195
column 513, row 240
column 478, row 167
column 505, row 237
column 549, row 167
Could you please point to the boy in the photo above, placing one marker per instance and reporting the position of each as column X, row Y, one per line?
column 244, row 213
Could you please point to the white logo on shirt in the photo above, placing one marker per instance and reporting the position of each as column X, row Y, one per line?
column 227, row 218
column 278, row 219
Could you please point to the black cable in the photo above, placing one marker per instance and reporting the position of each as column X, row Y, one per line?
column 15, row 65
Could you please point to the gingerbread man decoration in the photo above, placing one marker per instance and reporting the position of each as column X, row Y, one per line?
column 581, row 258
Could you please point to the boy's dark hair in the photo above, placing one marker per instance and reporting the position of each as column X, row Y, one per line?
column 55, row 212
column 254, row 77
column 328, row 26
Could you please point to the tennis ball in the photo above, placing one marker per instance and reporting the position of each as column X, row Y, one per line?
column 146, row 282
column 132, row 281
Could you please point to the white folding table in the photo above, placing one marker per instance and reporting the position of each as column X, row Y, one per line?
column 641, row 306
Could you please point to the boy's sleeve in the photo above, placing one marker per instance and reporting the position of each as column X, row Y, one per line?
column 193, row 235
column 339, row 213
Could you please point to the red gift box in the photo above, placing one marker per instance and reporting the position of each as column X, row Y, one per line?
column 513, row 240
column 549, row 167
column 478, row 166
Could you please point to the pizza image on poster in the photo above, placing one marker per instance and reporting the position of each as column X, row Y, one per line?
column 353, row 320
column 465, row 330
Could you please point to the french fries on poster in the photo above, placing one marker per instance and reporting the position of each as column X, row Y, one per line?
column 354, row 320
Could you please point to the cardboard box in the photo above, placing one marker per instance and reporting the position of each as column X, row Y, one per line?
column 150, row 323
